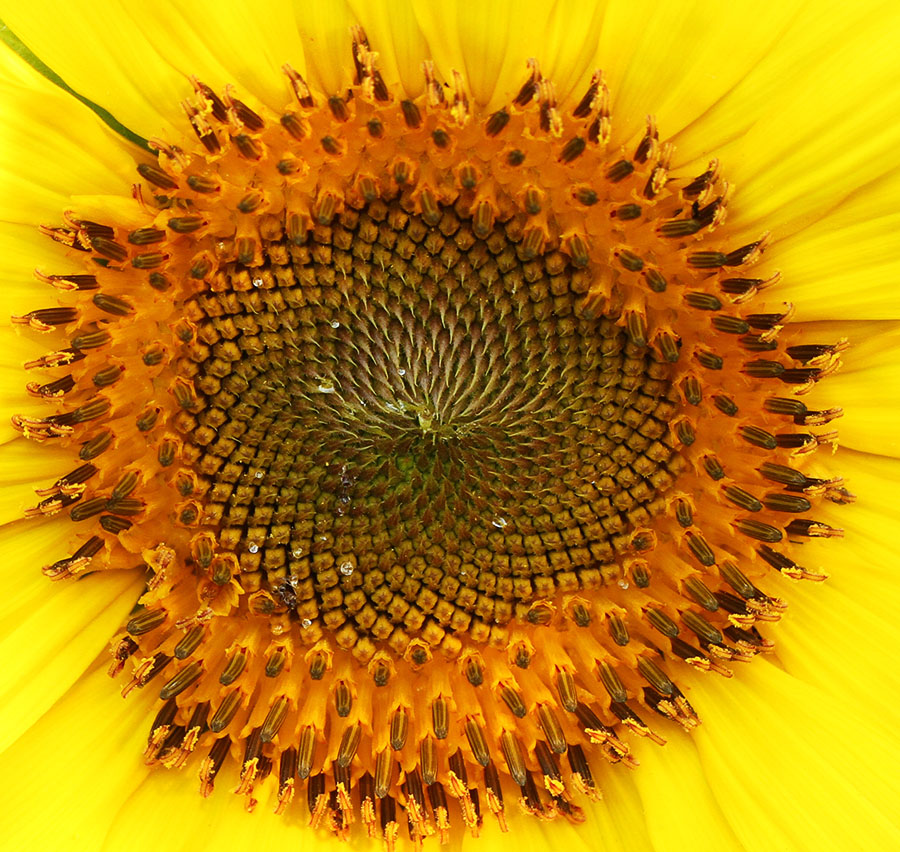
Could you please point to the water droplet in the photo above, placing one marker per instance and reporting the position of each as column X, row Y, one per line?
column 257, row 282
column 298, row 552
column 253, row 548
column 346, row 568
column 325, row 386
column 499, row 522
column 258, row 474
column 623, row 584
column 306, row 623
column 335, row 324
column 401, row 372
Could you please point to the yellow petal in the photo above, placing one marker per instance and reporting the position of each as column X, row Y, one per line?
column 806, row 131
column 617, row 822
column 837, row 635
column 140, row 60
column 781, row 754
column 865, row 386
column 28, row 468
column 679, row 805
column 491, row 44
column 835, row 642
column 74, row 767
column 394, row 34
column 32, row 546
column 13, row 378
column 488, row 43
column 847, row 262
column 862, row 564
column 53, row 147
column 325, row 32
column 219, row 821
column 51, row 633
column 679, row 61
column 24, row 250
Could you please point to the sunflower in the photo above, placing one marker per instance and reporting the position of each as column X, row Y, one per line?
column 460, row 420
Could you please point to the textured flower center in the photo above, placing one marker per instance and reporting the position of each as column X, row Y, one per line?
column 450, row 442
column 445, row 429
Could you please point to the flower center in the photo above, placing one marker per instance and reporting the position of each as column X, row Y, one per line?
column 445, row 431
column 448, row 439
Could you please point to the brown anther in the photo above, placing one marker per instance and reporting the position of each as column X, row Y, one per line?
column 529, row 88
column 249, row 148
column 47, row 319
column 181, row 681
column 552, row 729
column 384, row 768
column 343, row 699
column 399, row 728
column 332, row 145
column 428, row 760
column 467, row 176
column 301, row 89
column 276, row 662
column 203, row 184
column 483, row 219
column 440, row 717
column 411, row 114
column 572, row 150
column 477, row 741
column 186, row 224
column 226, row 711
column 349, row 744
column 306, row 752
column 575, row 245
column 189, row 643
column 326, row 207
column 155, row 175
column 512, row 753
column 612, row 682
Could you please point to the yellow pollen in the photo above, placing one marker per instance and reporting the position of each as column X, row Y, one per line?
column 450, row 443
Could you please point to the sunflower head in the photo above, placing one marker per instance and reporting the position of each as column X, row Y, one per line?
column 453, row 443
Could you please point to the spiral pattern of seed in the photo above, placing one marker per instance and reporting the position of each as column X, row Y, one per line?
column 449, row 427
